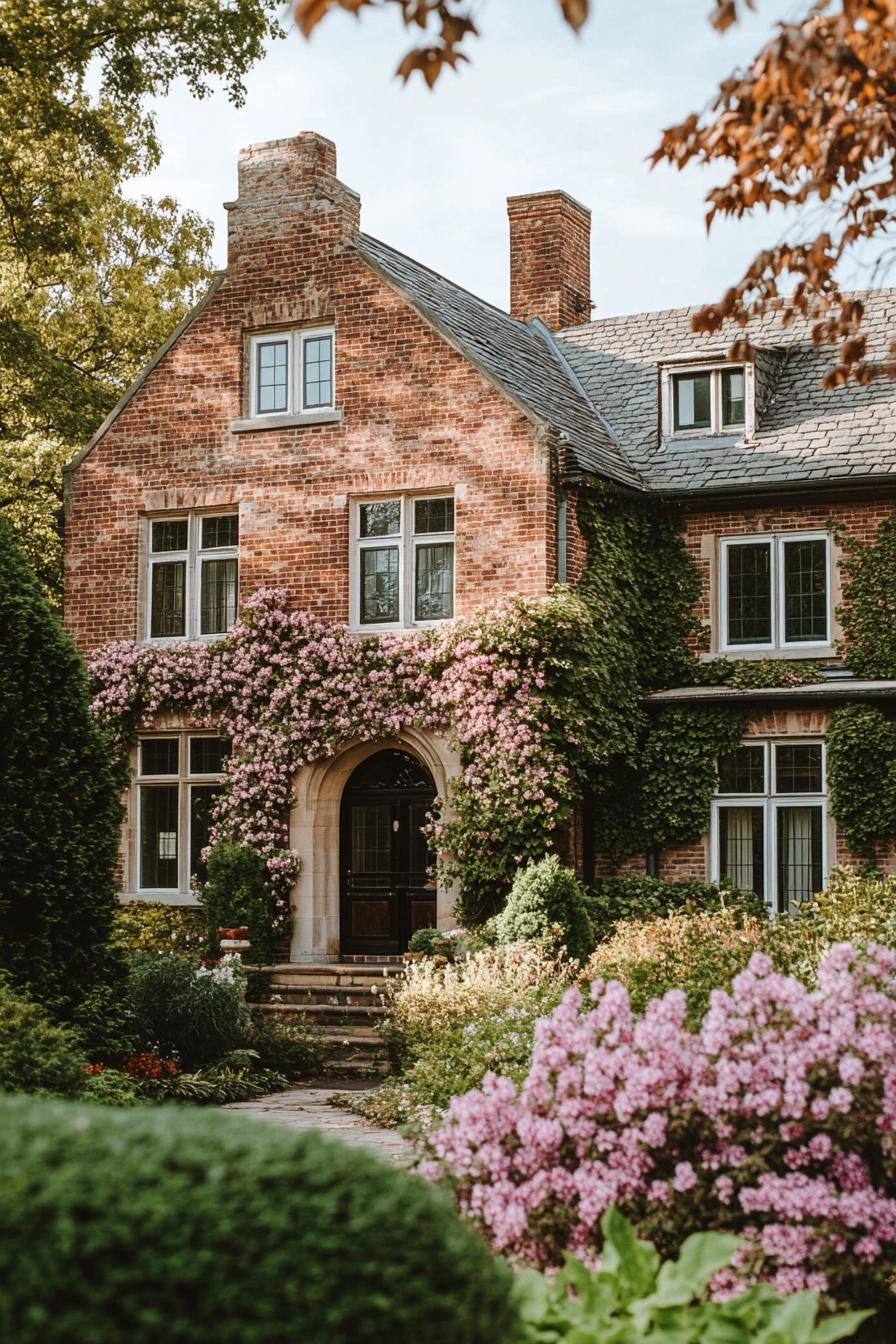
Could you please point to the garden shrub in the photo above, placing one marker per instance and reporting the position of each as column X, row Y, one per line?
column 858, row 908
column 239, row 891
column 448, row 1025
column 633, row 1295
column 547, row 902
column 113, row 1087
column 36, row 1054
column 147, row 926
column 60, row 808
column 166, row 1201
column 696, row 952
column 179, row 1011
column 611, row 899
column 775, row 1121
column 293, row 1049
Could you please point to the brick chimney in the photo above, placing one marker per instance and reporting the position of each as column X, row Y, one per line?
column 550, row 261
column 288, row 187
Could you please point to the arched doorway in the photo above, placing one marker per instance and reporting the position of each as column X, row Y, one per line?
column 385, row 891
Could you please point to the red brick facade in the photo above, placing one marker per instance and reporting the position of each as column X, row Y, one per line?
column 415, row 416
column 411, row 414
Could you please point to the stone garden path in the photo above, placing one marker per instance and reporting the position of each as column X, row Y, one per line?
column 309, row 1106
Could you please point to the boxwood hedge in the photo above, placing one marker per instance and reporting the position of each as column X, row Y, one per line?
column 171, row 1225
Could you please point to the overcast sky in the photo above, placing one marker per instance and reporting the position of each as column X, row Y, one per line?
column 537, row 109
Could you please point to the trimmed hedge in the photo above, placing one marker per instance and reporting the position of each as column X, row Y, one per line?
column 544, row 897
column 171, row 1225
column 60, row 813
column 611, row 899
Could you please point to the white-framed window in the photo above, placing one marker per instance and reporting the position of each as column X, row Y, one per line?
column 402, row 561
column 178, row 781
column 192, row 587
column 769, row 820
column 701, row 400
column 775, row 592
column 291, row 372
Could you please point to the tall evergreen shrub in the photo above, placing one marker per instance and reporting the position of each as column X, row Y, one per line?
column 60, row 812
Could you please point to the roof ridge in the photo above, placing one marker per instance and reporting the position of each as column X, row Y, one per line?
column 697, row 307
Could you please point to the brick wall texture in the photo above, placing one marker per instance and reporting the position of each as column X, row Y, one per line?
column 415, row 417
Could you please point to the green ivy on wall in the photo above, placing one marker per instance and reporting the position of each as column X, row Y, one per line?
column 868, row 613
column 861, row 766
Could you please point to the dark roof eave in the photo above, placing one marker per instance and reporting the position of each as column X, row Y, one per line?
column 828, row 692
column 796, row 484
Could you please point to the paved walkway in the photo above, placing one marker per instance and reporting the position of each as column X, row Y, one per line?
column 309, row 1107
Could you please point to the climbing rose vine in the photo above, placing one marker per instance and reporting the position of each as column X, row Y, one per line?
column 518, row 689
column 776, row 1120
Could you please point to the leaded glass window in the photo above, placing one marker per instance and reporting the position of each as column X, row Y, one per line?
column 178, row 783
column 775, row 592
column 271, row 377
column 193, row 577
column 404, row 550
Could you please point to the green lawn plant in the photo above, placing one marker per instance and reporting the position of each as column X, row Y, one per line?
column 634, row 1298
column 167, row 1223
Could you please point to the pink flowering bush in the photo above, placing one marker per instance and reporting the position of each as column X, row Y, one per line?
column 520, row 689
column 775, row 1120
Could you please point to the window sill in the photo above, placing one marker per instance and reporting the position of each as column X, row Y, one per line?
column 400, row 629
column 150, row 642
column 807, row 654
column 157, row 897
column 262, row 422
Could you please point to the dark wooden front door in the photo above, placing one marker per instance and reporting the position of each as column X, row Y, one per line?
column 386, row 893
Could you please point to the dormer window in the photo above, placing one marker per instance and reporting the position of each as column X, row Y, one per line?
column 292, row 373
column 701, row 401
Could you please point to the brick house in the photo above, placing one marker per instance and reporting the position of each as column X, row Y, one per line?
column 339, row 421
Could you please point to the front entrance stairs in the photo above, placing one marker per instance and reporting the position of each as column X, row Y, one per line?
column 345, row 1001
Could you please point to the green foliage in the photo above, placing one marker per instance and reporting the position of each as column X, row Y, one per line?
column 427, row 941
column 861, row 767
column 146, row 926
column 239, row 892
column 344, row 1248
column 176, row 1011
column 236, row 1077
column 857, row 908
column 868, row 613
column 611, row 899
column 60, row 810
column 666, row 797
column 92, row 281
column 547, row 903
column 696, row 951
column 642, row 587
column 36, row 1055
column 296, row 1051
column 747, row 674
column 633, row 1297
column 112, row 1087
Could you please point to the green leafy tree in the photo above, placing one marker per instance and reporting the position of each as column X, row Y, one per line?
column 92, row 282
column 60, row 812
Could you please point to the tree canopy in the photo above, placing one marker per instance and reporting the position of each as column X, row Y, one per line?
column 91, row 282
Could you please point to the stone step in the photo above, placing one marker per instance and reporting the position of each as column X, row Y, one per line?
column 324, row 975
column 355, row 996
column 360, row 1028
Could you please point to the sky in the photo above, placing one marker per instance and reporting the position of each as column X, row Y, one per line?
column 537, row 109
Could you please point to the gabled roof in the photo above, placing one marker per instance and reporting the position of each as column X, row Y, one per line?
column 521, row 358
column 804, row 434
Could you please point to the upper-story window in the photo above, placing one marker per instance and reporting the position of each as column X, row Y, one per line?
column 178, row 783
column 292, row 372
column 701, row 401
column 193, row 580
column 403, row 561
column 775, row 592
column 769, row 825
